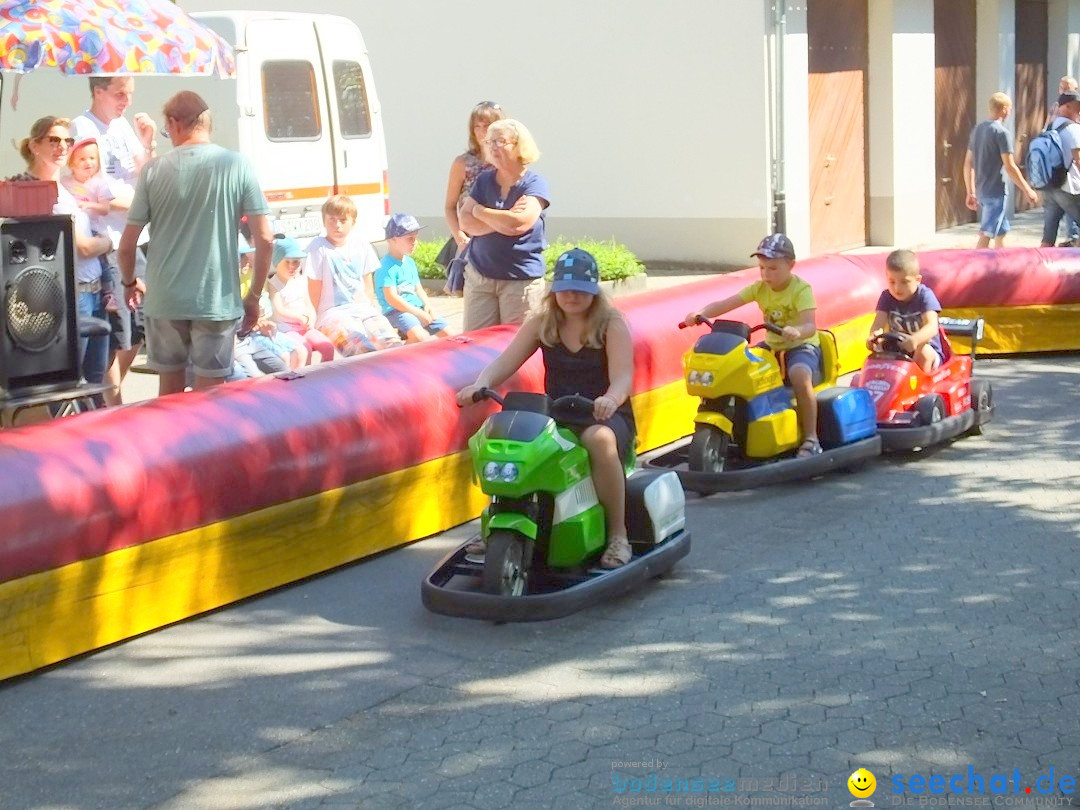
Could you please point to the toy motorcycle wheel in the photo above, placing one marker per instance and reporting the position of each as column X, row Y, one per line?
column 708, row 449
column 930, row 409
column 982, row 399
column 506, row 564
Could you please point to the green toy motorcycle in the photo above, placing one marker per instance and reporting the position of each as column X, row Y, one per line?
column 545, row 528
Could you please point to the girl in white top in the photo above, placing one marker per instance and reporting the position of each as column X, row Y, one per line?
column 293, row 310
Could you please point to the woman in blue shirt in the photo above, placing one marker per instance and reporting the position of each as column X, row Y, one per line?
column 504, row 216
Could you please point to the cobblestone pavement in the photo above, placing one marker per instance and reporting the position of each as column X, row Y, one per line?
column 918, row 617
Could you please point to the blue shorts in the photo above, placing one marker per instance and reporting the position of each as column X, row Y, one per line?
column 992, row 219
column 404, row 321
column 805, row 355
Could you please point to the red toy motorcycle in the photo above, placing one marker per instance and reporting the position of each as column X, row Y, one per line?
column 916, row 409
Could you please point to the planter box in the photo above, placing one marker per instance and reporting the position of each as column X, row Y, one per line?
column 623, row 286
column 27, row 198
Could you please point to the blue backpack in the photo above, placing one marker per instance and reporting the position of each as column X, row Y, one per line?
column 1046, row 165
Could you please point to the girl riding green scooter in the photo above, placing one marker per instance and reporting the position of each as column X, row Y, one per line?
column 587, row 350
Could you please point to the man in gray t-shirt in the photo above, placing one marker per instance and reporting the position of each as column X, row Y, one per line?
column 988, row 160
column 193, row 199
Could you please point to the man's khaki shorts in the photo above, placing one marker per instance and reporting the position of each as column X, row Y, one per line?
column 207, row 344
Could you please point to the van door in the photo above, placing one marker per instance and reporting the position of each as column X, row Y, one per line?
column 359, row 146
column 288, row 136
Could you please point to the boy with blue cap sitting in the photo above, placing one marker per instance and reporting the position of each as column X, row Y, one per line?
column 402, row 297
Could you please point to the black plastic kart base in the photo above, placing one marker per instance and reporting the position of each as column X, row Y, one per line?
column 768, row 472
column 909, row 438
column 571, row 593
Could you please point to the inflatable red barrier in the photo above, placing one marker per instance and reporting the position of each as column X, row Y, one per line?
column 111, row 479
column 184, row 477
column 83, row 487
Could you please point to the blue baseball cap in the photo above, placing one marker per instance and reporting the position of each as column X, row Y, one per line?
column 286, row 248
column 576, row 270
column 401, row 225
column 775, row 246
column 243, row 246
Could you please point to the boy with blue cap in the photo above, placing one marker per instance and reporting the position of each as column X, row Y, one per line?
column 402, row 297
column 788, row 302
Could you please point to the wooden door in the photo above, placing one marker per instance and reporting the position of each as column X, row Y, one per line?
column 837, row 35
column 1029, row 106
column 954, row 103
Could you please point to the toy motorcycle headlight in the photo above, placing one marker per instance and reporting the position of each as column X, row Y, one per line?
column 694, row 377
column 509, row 472
column 491, row 471
column 707, row 378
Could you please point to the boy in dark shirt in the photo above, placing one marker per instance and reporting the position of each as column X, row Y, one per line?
column 909, row 309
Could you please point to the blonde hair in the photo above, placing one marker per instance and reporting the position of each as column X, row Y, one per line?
column 998, row 102
column 598, row 317
column 1066, row 83
column 903, row 261
column 487, row 112
column 39, row 130
column 340, row 205
column 525, row 146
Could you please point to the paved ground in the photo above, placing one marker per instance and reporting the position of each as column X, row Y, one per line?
column 919, row 617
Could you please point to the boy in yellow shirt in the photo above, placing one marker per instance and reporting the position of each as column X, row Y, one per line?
column 787, row 301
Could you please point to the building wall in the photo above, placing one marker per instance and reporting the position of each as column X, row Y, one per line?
column 901, row 121
column 653, row 124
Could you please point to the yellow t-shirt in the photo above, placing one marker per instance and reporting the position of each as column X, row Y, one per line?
column 782, row 307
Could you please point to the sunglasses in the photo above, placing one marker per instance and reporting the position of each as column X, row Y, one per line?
column 56, row 140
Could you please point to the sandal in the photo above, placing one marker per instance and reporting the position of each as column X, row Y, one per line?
column 476, row 547
column 809, row 447
column 617, row 553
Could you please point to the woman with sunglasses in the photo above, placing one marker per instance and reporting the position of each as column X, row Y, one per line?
column 463, row 173
column 45, row 152
column 504, row 215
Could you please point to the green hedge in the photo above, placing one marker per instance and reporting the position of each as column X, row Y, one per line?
column 616, row 261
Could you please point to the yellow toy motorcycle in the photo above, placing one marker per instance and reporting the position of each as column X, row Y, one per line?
column 746, row 428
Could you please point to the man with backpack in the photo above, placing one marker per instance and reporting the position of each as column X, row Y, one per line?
column 988, row 160
column 1072, row 228
column 1061, row 192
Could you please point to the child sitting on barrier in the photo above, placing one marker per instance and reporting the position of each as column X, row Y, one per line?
column 788, row 302
column 292, row 309
column 273, row 351
column 340, row 268
column 909, row 309
column 397, row 284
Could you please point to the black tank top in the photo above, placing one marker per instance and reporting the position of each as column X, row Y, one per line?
column 582, row 372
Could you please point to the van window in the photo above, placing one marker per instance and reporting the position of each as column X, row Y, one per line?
column 290, row 101
column 352, row 100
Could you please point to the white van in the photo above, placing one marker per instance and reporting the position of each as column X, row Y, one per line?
column 303, row 108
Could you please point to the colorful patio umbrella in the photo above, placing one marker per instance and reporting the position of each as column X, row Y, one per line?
column 117, row 37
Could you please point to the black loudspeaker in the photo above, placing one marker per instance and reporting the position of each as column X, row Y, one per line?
column 39, row 344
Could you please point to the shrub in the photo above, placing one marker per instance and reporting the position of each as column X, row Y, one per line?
column 424, row 256
column 616, row 261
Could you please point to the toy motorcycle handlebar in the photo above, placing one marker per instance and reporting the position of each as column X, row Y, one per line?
column 571, row 404
column 767, row 325
column 487, row 393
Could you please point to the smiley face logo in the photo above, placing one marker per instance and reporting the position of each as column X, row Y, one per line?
column 862, row 784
